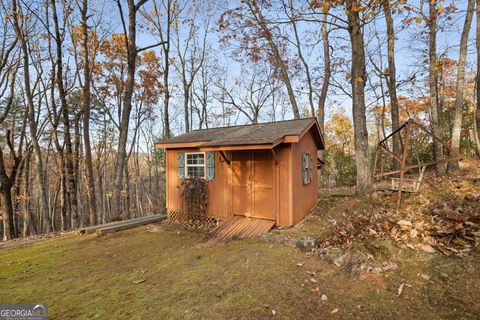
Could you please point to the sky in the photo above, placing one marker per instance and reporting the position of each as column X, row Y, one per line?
column 410, row 56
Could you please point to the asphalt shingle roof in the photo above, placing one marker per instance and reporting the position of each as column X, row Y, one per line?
column 261, row 133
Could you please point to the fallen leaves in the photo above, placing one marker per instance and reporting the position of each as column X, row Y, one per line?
column 404, row 224
column 443, row 217
column 427, row 248
column 420, row 228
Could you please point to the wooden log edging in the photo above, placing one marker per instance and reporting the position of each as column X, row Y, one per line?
column 121, row 225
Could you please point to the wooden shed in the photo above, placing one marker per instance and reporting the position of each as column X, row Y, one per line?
column 266, row 170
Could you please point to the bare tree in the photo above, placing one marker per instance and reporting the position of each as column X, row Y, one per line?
column 477, row 78
column 265, row 31
column 460, row 85
column 327, row 67
column 435, row 106
column 392, row 81
column 162, row 18
column 86, row 111
column 21, row 31
column 358, row 79
column 254, row 91
column 59, row 35
column 132, row 54
column 191, row 53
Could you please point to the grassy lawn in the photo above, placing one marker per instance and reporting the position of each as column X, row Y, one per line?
column 84, row 277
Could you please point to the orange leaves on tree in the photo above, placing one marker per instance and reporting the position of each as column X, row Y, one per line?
column 111, row 72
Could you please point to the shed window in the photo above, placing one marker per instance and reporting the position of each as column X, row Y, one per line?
column 195, row 164
column 307, row 170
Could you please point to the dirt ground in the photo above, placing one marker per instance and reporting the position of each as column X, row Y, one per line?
column 165, row 272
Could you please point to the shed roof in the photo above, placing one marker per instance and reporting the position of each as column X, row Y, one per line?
column 271, row 133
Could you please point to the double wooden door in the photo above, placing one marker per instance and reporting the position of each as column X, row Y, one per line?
column 252, row 184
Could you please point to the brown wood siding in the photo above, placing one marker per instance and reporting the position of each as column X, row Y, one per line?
column 219, row 191
column 279, row 187
column 283, row 184
column 304, row 196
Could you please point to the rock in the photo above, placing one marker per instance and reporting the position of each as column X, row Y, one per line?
column 280, row 239
column 389, row 266
column 352, row 263
column 340, row 261
column 324, row 254
column 374, row 269
column 307, row 244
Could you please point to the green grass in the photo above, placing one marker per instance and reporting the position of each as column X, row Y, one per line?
column 84, row 277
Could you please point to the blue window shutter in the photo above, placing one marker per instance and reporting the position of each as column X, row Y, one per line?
column 181, row 165
column 210, row 165
column 311, row 168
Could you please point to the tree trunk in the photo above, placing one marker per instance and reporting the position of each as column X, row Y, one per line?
column 27, row 217
column 475, row 137
column 132, row 53
column 477, row 80
column 362, row 157
column 358, row 79
column 435, row 108
column 322, row 100
column 7, row 205
column 460, row 87
column 392, row 83
column 186, row 100
column 41, row 181
column 68, row 155
column 166, row 70
column 127, row 213
column 92, row 199
column 327, row 74
column 6, row 185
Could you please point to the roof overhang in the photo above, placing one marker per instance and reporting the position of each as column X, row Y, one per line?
column 257, row 144
column 212, row 146
column 180, row 145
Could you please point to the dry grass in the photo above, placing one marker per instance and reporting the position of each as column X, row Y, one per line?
column 84, row 277
column 88, row 277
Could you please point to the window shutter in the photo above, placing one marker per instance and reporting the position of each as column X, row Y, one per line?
column 181, row 165
column 210, row 165
column 311, row 168
column 304, row 165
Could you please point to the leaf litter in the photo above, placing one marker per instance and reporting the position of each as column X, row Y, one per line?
column 444, row 216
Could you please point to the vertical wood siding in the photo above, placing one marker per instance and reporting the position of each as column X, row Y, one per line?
column 304, row 196
column 278, row 188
